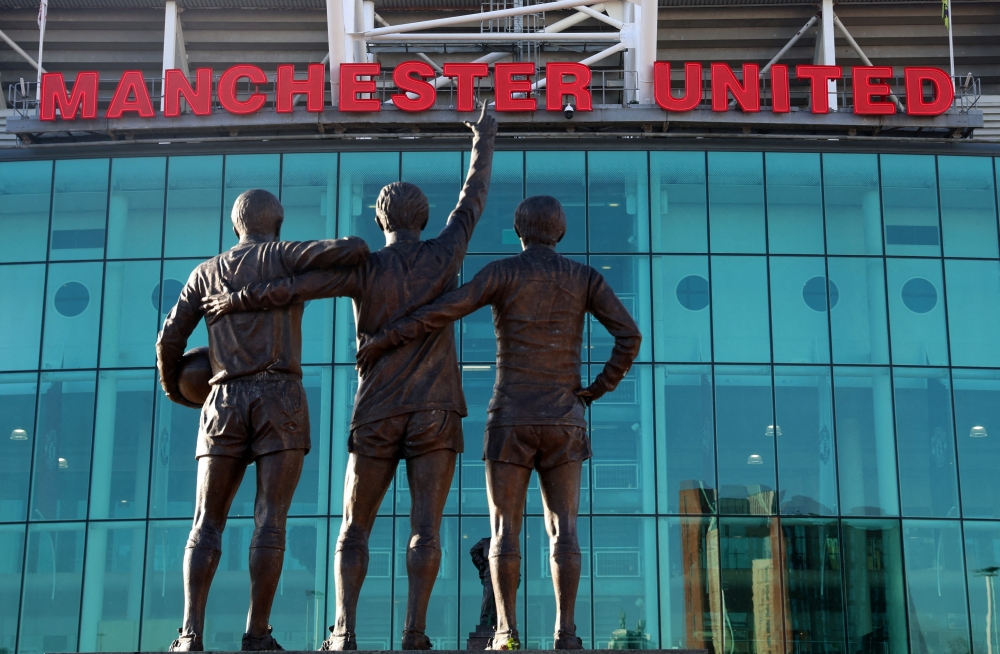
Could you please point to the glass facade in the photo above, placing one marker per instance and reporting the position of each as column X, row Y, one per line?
column 803, row 458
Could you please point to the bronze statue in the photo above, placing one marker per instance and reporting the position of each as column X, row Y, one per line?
column 537, row 416
column 411, row 405
column 256, row 410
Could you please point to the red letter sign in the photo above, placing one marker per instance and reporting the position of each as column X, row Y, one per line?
column 724, row 82
column 692, row 87
column 506, row 86
column 556, row 87
column 781, row 100
column 131, row 84
column 175, row 85
column 350, row 86
column 287, row 87
column 944, row 92
column 865, row 89
column 820, row 90
column 465, row 82
column 402, row 76
column 227, row 89
column 54, row 96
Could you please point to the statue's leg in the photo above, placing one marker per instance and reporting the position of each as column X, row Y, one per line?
column 277, row 476
column 430, row 478
column 506, row 488
column 560, row 488
column 219, row 478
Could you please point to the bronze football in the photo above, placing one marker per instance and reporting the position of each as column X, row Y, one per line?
column 193, row 374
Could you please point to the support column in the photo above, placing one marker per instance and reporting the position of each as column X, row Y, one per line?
column 174, row 52
column 646, row 23
column 827, row 50
column 336, row 35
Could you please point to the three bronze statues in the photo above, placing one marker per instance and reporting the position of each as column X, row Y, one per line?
column 409, row 403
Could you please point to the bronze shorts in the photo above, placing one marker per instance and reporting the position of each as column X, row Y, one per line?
column 408, row 435
column 536, row 446
column 247, row 418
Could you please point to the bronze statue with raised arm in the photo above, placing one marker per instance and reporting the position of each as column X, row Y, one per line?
column 256, row 408
column 409, row 406
column 537, row 416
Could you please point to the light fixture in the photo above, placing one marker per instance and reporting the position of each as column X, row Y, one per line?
column 63, row 463
column 755, row 460
column 613, row 204
column 19, row 435
column 976, row 432
column 773, row 430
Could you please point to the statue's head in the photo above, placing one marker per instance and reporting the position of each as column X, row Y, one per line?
column 540, row 219
column 258, row 213
column 401, row 205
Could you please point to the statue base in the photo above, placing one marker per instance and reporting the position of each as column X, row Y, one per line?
column 480, row 638
column 526, row 651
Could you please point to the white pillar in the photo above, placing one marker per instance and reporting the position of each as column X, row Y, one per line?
column 174, row 55
column 336, row 35
column 828, row 53
column 646, row 22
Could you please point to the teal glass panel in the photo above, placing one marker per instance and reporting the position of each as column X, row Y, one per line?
column 175, row 275
column 72, row 315
column 740, row 309
column 910, row 205
column 563, row 176
column 973, row 312
column 163, row 588
column 866, row 444
column 536, row 601
column 794, row 203
column 131, row 314
column 403, row 491
column 750, row 573
column 682, row 315
column 968, row 206
column 853, row 204
column 478, row 339
column 345, row 341
column 174, row 474
column 873, row 584
column 746, row 453
column 309, row 196
column 977, row 423
column 618, row 201
column 317, row 331
column 736, row 201
column 916, row 312
column 375, row 628
column 22, row 293
column 62, row 452
column 245, row 172
column 925, row 443
column 803, row 433
column 439, row 175
column 935, row 586
column 495, row 232
column 442, row 611
column 814, row 600
column 624, row 561
column 678, row 201
column 859, row 322
column 362, row 176
column 982, row 547
column 79, row 209
column 11, row 568
column 112, row 587
column 53, row 577
column 123, row 431
column 474, row 529
column 800, row 297
column 313, row 491
column 228, row 601
column 689, row 584
column 624, row 466
column 685, row 439
column 135, row 213
column 297, row 614
column 25, row 189
column 629, row 279
column 194, row 207
column 477, row 382
column 17, row 434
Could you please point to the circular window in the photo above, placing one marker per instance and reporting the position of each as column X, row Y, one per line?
column 72, row 299
column 919, row 295
column 171, row 291
column 692, row 292
column 814, row 294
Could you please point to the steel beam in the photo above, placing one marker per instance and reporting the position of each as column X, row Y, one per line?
column 498, row 37
column 479, row 17
column 24, row 55
column 174, row 52
column 335, row 33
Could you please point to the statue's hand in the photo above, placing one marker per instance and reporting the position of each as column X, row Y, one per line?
column 370, row 350
column 217, row 305
column 485, row 126
column 589, row 394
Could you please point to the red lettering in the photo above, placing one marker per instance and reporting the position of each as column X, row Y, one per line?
column 465, row 82
column 403, row 77
column 724, row 82
column 83, row 96
column 944, row 92
column 227, row 89
column 350, row 86
column 781, row 99
column 131, row 84
column 818, row 77
column 692, row 87
column 865, row 88
column 175, row 84
column 556, row 85
column 286, row 87
column 506, row 86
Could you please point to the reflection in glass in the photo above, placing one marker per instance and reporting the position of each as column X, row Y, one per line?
column 194, row 207
column 163, row 591
column 79, row 209
column 629, row 279
column 25, row 187
column 681, row 312
column 690, row 597
column 618, row 201
column 53, row 574
column 740, row 309
column 22, row 293
column 309, row 196
column 17, row 433
column 312, row 493
column 536, row 600
column 244, row 172
column 172, row 483
column 298, row 605
column 794, row 203
column 910, row 205
column 736, row 201
column 112, row 587
column 72, row 315
column 135, row 214
column 973, row 309
column 439, row 175
column 477, row 382
column 873, row 577
column 754, row 599
column 479, row 342
column 495, row 231
column 811, row 552
column 853, row 204
column 935, row 586
column 376, row 627
column 625, row 588
column 561, row 175
column 128, row 330
column 442, row 611
column 362, row 176
column 678, row 203
column 858, row 322
column 11, row 567
column 743, row 412
column 982, row 545
column 685, row 428
column 799, row 331
column 916, row 312
column 968, row 206
column 977, row 426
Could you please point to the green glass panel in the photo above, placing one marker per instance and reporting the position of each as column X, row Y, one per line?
column 563, row 176
column 17, row 435
column 973, row 312
column 910, row 205
column 916, row 312
column 477, row 382
column 690, row 615
column 245, row 172
column 746, row 452
column 163, row 588
column 800, row 297
column 376, row 628
column 618, row 201
column 313, row 492
column 135, row 213
column 873, row 584
column 977, row 418
column 53, row 576
column 112, row 587
column 72, row 315
column 309, row 196
column 439, row 175
column 11, row 569
column 362, row 176
column 297, row 614
column 442, row 611
column 625, row 585
column 741, row 328
column 194, row 207
column 968, row 206
column 22, row 293
column 537, row 596
column 629, row 279
column 495, row 232
column 736, row 201
column 25, row 192
column 131, row 315
column 678, row 201
column 79, row 209
column 682, row 315
column 174, row 474
column 859, row 321
column 853, row 204
column 794, row 203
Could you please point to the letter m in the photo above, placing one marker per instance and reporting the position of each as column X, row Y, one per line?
column 82, row 98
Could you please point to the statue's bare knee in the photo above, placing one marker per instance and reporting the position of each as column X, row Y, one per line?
column 353, row 537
